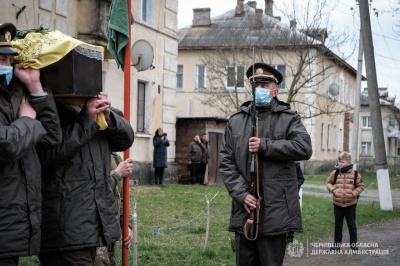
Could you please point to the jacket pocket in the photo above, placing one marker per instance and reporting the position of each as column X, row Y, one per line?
column 291, row 195
column 238, row 217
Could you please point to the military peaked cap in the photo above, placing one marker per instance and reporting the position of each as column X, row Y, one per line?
column 7, row 34
column 263, row 73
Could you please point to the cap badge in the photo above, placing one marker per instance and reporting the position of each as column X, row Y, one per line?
column 7, row 35
column 259, row 71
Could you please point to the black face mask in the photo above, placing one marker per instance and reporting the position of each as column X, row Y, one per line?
column 344, row 169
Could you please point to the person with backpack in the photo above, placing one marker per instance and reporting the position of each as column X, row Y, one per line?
column 346, row 185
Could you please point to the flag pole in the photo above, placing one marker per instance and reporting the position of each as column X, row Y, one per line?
column 127, row 114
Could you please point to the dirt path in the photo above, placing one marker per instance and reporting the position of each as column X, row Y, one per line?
column 366, row 195
column 381, row 246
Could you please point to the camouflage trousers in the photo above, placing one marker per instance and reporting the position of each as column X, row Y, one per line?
column 105, row 256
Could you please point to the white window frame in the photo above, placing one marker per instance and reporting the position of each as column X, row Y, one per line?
column 147, row 11
column 366, row 122
column 143, row 127
column 335, row 140
column 197, row 86
column 179, row 78
column 323, row 83
column 328, row 138
column 340, row 147
column 235, row 67
column 322, row 136
column 366, row 148
column 282, row 70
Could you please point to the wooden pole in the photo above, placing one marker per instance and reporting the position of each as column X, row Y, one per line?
column 208, row 222
column 135, row 232
column 127, row 114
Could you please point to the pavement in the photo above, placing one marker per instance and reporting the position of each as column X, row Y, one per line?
column 367, row 195
column 379, row 244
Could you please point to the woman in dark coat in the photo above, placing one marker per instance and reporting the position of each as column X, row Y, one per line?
column 160, row 143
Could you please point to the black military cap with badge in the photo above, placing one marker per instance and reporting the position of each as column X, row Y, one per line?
column 7, row 34
column 263, row 73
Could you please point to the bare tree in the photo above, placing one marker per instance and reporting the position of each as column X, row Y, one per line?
column 225, row 73
column 396, row 11
column 309, row 56
column 315, row 60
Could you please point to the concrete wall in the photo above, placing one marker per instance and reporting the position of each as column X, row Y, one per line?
column 143, row 174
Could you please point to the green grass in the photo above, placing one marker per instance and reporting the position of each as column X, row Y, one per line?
column 172, row 224
column 369, row 179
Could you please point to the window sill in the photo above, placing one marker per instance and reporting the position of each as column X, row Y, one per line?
column 232, row 89
column 143, row 135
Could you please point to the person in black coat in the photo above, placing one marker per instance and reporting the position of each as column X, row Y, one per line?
column 160, row 143
column 28, row 121
column 79, row 212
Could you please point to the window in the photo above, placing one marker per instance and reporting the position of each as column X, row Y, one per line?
column 323, row 85
column 366, row 121
column 179, row 78
column 147, row 6
column 366, row 148
column 322, row 137
column 340, row 139
column 282, row 69
column 341, row 91
column 200, row 77
column 235, row 77
column 141, row 104
column 335, row 143
column 328, row 141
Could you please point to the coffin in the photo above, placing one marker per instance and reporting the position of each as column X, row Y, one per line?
column 77, row 74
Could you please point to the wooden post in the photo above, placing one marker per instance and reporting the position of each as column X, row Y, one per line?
column 135, row 232
column 208, row 222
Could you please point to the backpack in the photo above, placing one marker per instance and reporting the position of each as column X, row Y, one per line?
column 355, row 179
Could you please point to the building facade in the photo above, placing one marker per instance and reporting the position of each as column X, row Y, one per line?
column 153, row 91
column 214, row 54
column 391, row 131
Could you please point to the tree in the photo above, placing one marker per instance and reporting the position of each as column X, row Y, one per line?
column 226, row 76
column 307, row 54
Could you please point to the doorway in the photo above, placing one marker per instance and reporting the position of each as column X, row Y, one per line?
column 215, row 140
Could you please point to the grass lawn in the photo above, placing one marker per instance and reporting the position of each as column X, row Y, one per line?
column 172, row 224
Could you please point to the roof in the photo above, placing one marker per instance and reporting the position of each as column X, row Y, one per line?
column 384, row 98
column 228, row 30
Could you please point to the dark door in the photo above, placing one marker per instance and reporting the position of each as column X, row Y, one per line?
column 215, row 140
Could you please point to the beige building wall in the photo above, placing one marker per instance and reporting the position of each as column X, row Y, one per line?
column 328, row 132
column 87, row 20
column 366, row 135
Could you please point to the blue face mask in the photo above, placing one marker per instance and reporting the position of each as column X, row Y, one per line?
column 8, row 71
column 262, row 96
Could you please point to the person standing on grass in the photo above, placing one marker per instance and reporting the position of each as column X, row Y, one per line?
column 345, row 196
column 204, row 159
column 160, row 143
column 281, row 139
column 195, row 155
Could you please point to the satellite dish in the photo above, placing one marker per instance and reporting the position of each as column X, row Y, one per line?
column 334, row 89
column 142, row 55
